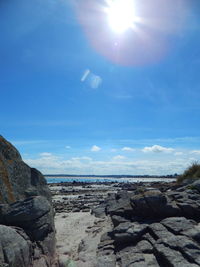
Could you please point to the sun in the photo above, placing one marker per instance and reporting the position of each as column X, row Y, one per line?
column 121, row 15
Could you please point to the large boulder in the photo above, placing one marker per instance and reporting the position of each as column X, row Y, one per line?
column 153, row 204
column 33, row 214
column 17, row 180
column 27, row 231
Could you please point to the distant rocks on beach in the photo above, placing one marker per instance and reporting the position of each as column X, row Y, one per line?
column 76, row 197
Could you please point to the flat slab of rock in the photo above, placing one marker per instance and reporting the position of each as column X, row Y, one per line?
column 163, row 229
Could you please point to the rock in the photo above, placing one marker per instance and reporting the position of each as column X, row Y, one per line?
column 117, row 220
column 194, row 233
column 144, row 246
column 106, row 260
column 158, row 231
column 120, row 205
column 126, row 233
column 15, row 246
column 99, row 211
column 33, row 214
column 25, row 211
column 153, row 203
column 187, row 247
column 27, row 236
column 178, row 224
column 172, row 258
column 138, row 260
column 154, row 227
column 17, row 180
column 196, row 185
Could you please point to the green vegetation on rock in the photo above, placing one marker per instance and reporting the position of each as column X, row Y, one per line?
column 191, row 173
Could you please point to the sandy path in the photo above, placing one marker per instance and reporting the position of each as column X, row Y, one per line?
column 78, row 235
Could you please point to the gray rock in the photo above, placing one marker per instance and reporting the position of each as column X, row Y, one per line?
column 120, row 206
column 117, row 220
column 99, row 211
column 169, row 257
column 22, row 212
column 144, row 246
column 133, row 259
column 106, row 261
column 128, row 232
column 153, row 203
column 178, row 224
column 17, row 179
column 16, row 247
column 158, row 231
column 194, row 233
column 196, row 185
column 190, row 209
column 34, row 215
column 187, row 247
column 25, row 202
column 138, row 260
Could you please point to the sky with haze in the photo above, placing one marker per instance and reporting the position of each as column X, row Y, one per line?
column 78, row 97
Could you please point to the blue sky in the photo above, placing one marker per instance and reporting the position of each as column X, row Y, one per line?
column 78, row 98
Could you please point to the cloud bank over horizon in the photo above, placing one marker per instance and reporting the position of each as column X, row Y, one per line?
column 165, row 160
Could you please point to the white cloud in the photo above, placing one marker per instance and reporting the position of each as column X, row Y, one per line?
column 45, row 154
column 95, row 148
column 82, row 158
column 178, row 153
column 127, row 149
column 117, row 165
column 195, row 152
column 68, row 147
column 118, row 157
column 157, row 149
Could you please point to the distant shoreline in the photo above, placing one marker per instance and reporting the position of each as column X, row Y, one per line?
column 105, row 179
column 109, row 176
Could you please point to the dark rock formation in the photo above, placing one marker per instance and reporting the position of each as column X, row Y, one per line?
column 15, row 247
column 17, row 180
column 153, row 227
column 27, row 232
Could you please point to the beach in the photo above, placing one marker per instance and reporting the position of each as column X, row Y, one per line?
column 78, row 231
column 126, row 224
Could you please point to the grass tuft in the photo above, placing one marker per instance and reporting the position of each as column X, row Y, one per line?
column 192, row 172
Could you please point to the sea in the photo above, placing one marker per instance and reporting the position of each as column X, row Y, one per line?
column 57, row 179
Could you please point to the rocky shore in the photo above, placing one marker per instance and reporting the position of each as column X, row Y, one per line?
column 94, row 225
column 137, row 225
column 152, row 226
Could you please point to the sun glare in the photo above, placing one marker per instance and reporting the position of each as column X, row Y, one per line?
column 121, row 15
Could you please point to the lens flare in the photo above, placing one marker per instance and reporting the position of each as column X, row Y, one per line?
column 133, row 32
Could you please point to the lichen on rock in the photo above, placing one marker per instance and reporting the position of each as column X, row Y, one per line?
column 27, row 231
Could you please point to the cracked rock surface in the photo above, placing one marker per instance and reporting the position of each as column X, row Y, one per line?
column 152, row 227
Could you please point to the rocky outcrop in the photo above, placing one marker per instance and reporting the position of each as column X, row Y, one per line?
column 153, row 227
column 17, row 180
column 27, row 232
